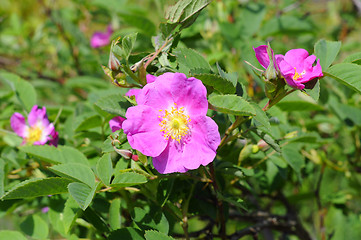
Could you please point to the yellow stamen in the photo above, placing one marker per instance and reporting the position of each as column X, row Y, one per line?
column 297, row 75
column 34, row 134
column 174, row 123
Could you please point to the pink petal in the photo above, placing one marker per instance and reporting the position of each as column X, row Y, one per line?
column 54, row 139
column 158, row 93
column 262, row 55
column 133, row 92
column 199, row 149
column 17, row 122
column 100, row 39
column 150, row 78
column 116, row 123
column 189, row 93
column 296, row 57
column 37, row 116
column 143, row 130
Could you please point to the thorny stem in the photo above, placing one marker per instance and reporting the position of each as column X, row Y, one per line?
column 275, row 100
column 221, row 219
column 157, row 52
column 239, row 120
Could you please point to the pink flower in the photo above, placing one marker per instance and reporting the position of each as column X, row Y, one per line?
column 298, row 70
column 100, row 39
column 170, row 124
column 135, row 91
column 38, row 131
column 115, row 123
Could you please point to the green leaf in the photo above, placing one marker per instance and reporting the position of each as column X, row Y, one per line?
column 154, row 235
column 104, row 168
column 115, row 214
column 261, row 117
column 291, row 154
column 13, row 235
column 150, row 217
column 128, row 179
column 231, row 77
column 315, row 92
column 353, row 58
column 232, row 104
column 75, row 171
column 128, row 43
column 35, row 227
column 299, row 101
column 127, row 233
column 190, row 59
column 24, row 91
column 70, row 213
column 55, row 155
column 347, row 74
column 217, row 82
column 87, row 121
column 82, row 193
column 114, row 103
column 327, row 51
column 185, row 9
column 37, row 188
column 285, row 24
column 2, row 177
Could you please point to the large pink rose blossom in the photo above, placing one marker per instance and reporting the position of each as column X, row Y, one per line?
column 297, row 68
column 38, row 131
column 170, row 124
column 115, row 123
column 100, row 39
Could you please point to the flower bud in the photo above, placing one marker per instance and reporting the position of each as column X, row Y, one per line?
column 126, row 154
column 113, row 63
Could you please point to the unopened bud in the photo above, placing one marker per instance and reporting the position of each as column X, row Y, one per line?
column 126, row 154
column 113, row 63
column 262, row 144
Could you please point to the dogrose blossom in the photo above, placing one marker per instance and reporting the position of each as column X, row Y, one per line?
column 100, row 39
column 296, row 66
column 170, row 124
column 38, row 131
column 115, row 123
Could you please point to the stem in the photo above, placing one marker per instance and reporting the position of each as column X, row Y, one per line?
column 157, row 52
column 275, row 100
column 221, row 219
column 239, row 120
column 321, row 211
column 185, row 212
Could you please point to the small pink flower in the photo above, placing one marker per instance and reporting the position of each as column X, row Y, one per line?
column 115, row 123
column 298, row 70
column 100, row 39
column 170, row 124
column 38, row 131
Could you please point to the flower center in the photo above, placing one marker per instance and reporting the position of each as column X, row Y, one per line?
column 297, row 75
column 174, row 123
column 34, row 134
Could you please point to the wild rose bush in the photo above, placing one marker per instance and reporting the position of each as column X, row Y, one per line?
column 191, row 120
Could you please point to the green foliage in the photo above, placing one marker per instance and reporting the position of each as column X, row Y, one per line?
column 285, row 169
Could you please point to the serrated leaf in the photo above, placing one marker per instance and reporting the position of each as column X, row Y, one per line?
column 191, row 59
column 82, row 193
column 104, row 168
column 55, row 155
column 154, row 235
column 38, row 187
column 232, row 104
column 261, row 117
column 231, row 77
column 114, row 103
column 70, row 213
column 35, row 227
column 347, row 74
column 185, row 9
column 128, row 179
column 327, row 51
column 127, row 233
column 219, row 83
column 24, row 91
column 150, row 217
column 353, row 58
column 75, row 171
column 128, row 42
column 291, row 154
column 13, row 235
